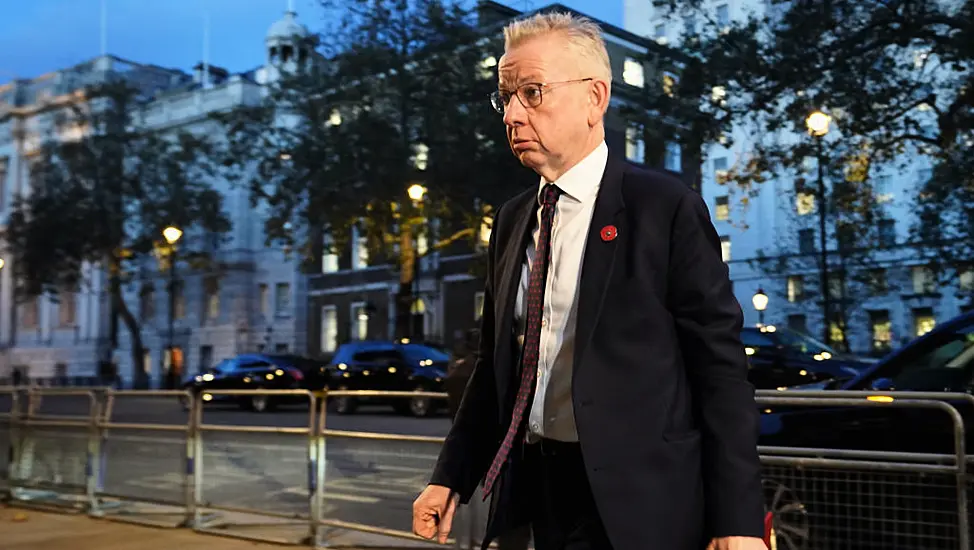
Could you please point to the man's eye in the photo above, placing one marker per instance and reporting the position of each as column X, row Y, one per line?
column 532, row 92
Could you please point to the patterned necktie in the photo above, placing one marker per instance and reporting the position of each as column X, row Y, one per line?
column 532, row 336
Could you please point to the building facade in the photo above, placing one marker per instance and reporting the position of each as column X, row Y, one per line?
column 754, row 225
column 255, row 302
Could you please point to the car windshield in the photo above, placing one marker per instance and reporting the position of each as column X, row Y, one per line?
column 943, row 360
column 803, row 342
column 415, row 354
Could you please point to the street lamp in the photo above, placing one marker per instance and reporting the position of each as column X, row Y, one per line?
column 760, row 301
column 818, row 126
column 172, row 235
column 416, row 192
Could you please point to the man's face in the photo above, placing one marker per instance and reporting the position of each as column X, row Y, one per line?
column 551, row 137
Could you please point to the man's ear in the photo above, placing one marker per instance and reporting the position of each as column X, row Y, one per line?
column 598, row 98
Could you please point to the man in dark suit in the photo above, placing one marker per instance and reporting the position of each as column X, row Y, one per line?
column 609, row 406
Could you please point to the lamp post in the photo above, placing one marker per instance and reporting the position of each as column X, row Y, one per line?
column 818, row 126
column 409, row 243
column 760, row 302
column 172, row 235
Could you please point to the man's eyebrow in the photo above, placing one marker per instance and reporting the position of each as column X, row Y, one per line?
column 531, row 78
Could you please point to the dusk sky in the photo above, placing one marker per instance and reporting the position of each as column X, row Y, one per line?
column 39, row 36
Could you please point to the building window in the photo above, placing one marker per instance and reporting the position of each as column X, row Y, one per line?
column 965, row 280
column 722, row 208
column 923, row 321
column 264, row 295
column 723, row 16
column 804, row 200
column 147, row 303
column 670, row 82
column 883, row 190
column 836, row 286
column 837, row 335
column 329, row 258
column 881, row 329
column 478, row 306
column 179, row 300
column 282, row 299
column 635, row 146
column 31, row 313
column 420, row 156
column 887, row 233
column 689, row 26
column 798, row 322
column 720, row 170
column 796, row 288
column 632, row 73
column 67, row 309
column 360, row 321
column 360, row 249
column 211, row 299
column 725, row 248
column 659, row 33
column 878, row 283
column 806, row 241
column 923, row 280
column 673, row 161
column 329, row 329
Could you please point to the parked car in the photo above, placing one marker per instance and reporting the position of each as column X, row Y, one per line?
column 388, row 366
column 781, row 357
column 258, row 371
column 857, row 508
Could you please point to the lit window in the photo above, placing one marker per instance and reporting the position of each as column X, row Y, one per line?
column 804, row 202
column 966, row 280
column 796, row 288
column 360, row 250
column 329, row 328
column 360, row 322
column 420, row 156
column 487, row 67
column 718, row 94
column 882, row 330
column 725, row 248
column 722, row 208
column 883, row 189
column 632, row 73
column 673, row 160
column 329, row 259
column 923, row 321
column 669, row 84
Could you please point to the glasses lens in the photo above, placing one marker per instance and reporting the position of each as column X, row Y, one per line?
column 497, row 101
column 531, row 95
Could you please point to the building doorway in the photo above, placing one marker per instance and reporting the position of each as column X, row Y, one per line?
column 172, row 368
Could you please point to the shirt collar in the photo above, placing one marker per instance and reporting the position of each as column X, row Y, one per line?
column 581, row 182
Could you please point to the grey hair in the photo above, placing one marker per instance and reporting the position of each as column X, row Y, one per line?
column 583, row 35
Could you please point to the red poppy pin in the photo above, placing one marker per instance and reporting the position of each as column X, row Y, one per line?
column 609, row 233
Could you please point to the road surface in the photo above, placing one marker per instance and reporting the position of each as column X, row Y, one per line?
column 367, row 481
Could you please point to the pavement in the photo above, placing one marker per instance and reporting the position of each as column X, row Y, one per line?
column 22, row 529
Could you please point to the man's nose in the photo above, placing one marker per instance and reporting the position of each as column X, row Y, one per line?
column 514, row 113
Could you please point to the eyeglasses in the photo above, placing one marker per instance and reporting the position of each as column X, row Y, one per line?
column 529, row 94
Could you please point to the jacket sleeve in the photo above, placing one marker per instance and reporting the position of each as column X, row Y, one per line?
column 473, row 440
column 709, row 320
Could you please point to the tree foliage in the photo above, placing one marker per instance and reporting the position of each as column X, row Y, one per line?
column 102, row 188
column 401, row 98
column 894, row 75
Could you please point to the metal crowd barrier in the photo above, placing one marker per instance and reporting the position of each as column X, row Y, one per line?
column 65, row 449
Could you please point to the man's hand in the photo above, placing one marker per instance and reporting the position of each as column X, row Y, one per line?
column 737, row 543
column 433, row 512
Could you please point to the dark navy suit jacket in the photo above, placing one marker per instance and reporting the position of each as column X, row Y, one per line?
column 666, row 418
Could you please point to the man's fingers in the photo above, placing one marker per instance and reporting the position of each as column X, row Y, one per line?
column 424, row 524
column 446, row 519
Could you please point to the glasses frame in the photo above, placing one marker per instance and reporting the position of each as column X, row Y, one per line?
column 499, row 105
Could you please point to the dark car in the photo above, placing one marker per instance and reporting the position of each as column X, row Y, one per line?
column 256, row 372
column 781, row 357
column 388, row 366
column 872, row 507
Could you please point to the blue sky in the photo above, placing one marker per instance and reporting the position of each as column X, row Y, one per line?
column 39, row 36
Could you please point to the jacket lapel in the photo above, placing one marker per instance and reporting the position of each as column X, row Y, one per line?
column 508, row 276
column 600, row 254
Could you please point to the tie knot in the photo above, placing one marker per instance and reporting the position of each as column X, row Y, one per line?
column 549, row 194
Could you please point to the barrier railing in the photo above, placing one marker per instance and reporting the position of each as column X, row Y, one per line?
column 115, row 455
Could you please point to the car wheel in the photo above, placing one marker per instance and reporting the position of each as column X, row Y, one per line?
column 420, row 407
column 789, row 517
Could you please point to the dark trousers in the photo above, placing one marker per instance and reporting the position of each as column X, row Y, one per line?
column 564, row 515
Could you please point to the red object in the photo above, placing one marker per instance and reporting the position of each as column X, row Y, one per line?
column 768, row 518
column 609, row 233
column 295, row 373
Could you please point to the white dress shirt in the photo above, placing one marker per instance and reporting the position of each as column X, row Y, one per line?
column 551, row 414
